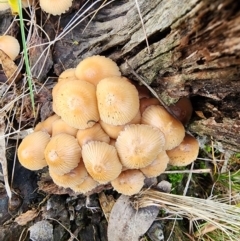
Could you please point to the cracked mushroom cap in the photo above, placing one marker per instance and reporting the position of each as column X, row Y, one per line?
column 75, row 102
column 138, row 145
column 31, row 150
column 157, row 167
column 75, row 177
column 62, row 153
column 94, row 133
column 95, row 68
column 172, row 128
column 118, row 101
column 55, row 7
column 185, row 153
column 129, row 182
column 10, row 46
column 101, row 161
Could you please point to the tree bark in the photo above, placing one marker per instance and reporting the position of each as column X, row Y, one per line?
column 194, row 51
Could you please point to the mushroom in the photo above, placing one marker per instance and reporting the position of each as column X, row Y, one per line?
column 138, row 145
column 101, row 161
column 129, row 182
column 114, row 130
column 4, row 6
column 60, row 126
column 75, row 101
column 62, row 153
column 94, row 133
column 46, row 125
column 118, row 101
column 95, row 68
column 88, row 185
column 75, row 177
column 67, row 74
column 10, row 46
column 145, row 102
column 172, row 128
column 185, row 153
column 55, row 7
column 31, row 150
column 157, row 167
column 182, row 110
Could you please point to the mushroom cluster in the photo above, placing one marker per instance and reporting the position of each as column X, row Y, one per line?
column 106, row 129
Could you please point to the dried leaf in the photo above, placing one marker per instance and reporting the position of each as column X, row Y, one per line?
column 128, row 224
column 26, row 217
column 107, row 203
column 200, row 114
column 9, row 67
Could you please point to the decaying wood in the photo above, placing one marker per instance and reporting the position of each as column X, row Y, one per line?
column 195, row 50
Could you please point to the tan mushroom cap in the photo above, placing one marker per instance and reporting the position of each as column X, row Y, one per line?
column 129, row 182
column 95, row 68
column 67, row 74
column 55, row 7
column 27, row 3
column 118, row 101
column 114, row 130
column 31, row 150
column 101, row 161
column 88, row 185
column 10, row 46
column 60, row 126
column 75, row 101
column 62, row 153
column 138, row 145
column 46, row 125
column 4, row 6
column 94, row 133
column 145, row 102
column 185, row 153
column 74, row 177
column 172, row 128
column 157, row 167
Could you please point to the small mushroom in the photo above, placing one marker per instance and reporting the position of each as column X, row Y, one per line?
column 55, row 7
column 185, row 153
column 75, row 177
column 118, row 101
column 10, row 46
column 145, row 102
column 75, row 101
column 31, row 150
column 129, row 182
column 94, row 133
column 62, row 153
column 60, row 126
column 95, row 68
column 101, row 161
column 138, row 145
column 46, row 125
column 157, row 167
column 182, row 110
column 172, row 128
column 67, row 74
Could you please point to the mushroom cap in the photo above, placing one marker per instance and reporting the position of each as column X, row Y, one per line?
column 118, row 101
column 10, row 46
column 182, row 110
column 26, row 3
column 138, row 145
column 75, row 101
column 60, row 126
column 67, row 74
column 145, row 102
column 172, row 128
column 95, row 68
column 129, row 182
column 75, row 177
column 46, row 125
column 94, row 133
column 31, row 150
column 88, row 185
column 55, row 7
column 62, row 153
column 185, row 153
column 101, row 161
column 157, row 167
column 113, row 130
column 4, row 6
